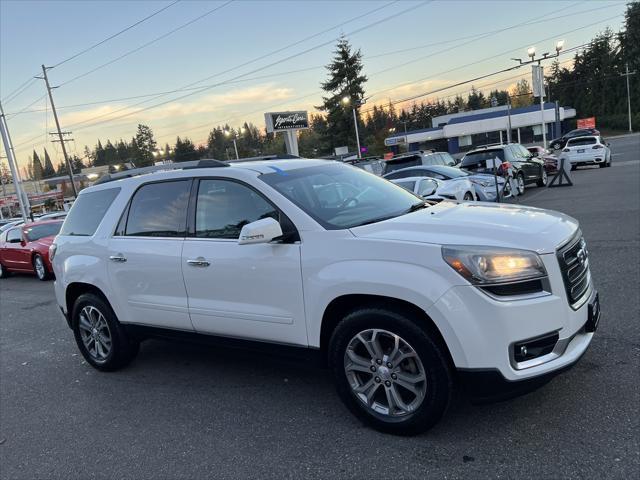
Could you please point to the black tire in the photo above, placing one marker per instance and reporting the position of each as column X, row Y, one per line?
column 41, row 272
column 439, row 380
column 556, row 146
column 519, row 180
column 574, row 167
column 468, row 197
column 123, row 349
column 602, row 165
column 4, row 273
column 544, row 179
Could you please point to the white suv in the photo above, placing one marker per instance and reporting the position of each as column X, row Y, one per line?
column 402, row 298
column 587, row 150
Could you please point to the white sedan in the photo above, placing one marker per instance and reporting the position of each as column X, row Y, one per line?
column 588, row 150
column 433, row 189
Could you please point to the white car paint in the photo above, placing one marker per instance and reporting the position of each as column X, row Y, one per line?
column 454, row 189
column 279, row 292
column 586, row 150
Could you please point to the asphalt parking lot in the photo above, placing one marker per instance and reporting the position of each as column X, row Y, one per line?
column 184, row 411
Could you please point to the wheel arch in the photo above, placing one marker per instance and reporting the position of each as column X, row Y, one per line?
column 340, row 306
column 75, row 289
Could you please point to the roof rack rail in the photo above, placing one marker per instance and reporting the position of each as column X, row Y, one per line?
column 275, row 156
column 134, row 172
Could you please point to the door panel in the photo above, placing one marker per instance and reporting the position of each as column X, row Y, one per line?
column 148, row 283
column 246, row 291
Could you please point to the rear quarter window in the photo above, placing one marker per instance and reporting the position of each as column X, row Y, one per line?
column 88, row 211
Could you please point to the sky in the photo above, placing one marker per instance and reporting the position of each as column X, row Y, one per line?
column 254, row 56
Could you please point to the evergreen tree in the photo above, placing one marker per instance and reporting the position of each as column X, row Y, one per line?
column 76, row 164
column 345, row 81
column 38, row 171
column 185, row 150
column 521, row 95
column 122, row 150
column 110, row 154
column 100, row 156
column 48, row 171
column 146, row 145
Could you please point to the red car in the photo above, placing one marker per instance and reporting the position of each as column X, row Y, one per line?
column 25, row 248
column 549, row 159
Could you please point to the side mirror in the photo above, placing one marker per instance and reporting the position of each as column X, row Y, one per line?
column 261, row 231
column 427, row 187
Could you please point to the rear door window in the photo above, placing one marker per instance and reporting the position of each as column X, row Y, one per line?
column 159, row 210
column 393, row 165
column 575, row 142
column 88, row 211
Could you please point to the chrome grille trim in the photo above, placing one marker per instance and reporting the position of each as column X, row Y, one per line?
column 574, row 265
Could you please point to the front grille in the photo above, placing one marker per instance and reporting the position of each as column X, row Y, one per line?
column 573, row 258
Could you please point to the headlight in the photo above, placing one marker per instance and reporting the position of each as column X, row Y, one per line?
column 487, row 265
column 482, row 183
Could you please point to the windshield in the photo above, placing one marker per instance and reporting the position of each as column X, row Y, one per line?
column 449, row 172
column 340, row 196
column 40, row 231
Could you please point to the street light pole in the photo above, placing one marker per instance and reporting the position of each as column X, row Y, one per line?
column 627, row 74
column 355, row 122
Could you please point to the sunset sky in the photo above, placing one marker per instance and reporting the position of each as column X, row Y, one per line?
column 242, row 52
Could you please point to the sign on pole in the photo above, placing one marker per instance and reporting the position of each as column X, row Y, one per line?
column 587, row 122
column 282, row 121
column 537, row 80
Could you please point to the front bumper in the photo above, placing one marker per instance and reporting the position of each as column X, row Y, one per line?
column 481, row 331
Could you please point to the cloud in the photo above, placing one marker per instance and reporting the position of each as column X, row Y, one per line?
column 123, row 113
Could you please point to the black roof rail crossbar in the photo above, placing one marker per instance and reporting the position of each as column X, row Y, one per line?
column 134, row 172
column 275, row 156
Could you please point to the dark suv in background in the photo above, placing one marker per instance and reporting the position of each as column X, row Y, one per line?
column 527, row 168
column 558, row 143
column 419, row 158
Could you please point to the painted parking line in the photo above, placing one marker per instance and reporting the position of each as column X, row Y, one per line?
column 622, row 164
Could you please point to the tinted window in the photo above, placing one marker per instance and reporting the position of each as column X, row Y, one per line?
column 224, row 207
column 366, row 198
column 407, row 184
column 159, row 210
column 393, row 165
column 581, row 141
column 414, row 172
column 448, row 159
column 40, row 231
column 88, row 211
column 14, row 234
column 433, row 159
column 448, row 173
column 478, row 159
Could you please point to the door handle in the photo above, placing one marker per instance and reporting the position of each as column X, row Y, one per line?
column 198, row 262
column 118, row 258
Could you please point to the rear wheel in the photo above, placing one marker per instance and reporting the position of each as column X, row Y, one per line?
column 468, row 197
column 389, row 372
column 40, row 268
column 103, row 342
column 4, row 273
column 573, row 167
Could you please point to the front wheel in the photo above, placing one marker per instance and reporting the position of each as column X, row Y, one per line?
column 389, row 371
column 103, row 342
column 4, row 273
column 468, row 197
column 520, row 184
column 40, row 268
column 543, row 180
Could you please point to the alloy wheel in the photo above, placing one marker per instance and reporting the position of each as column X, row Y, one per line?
column 520, row 181
column 40, row 269
column 545, row 178
column 468, row 197
column 385, row 373
column 95, row 333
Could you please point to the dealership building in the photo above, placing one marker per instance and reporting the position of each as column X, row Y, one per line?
column 460, row 132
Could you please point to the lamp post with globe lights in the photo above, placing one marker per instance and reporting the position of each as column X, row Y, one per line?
column 538, row 79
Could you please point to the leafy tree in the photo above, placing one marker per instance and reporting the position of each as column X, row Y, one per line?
column 145, row 144
column 48, row 171
column 521, row 94
column 345, row 81
column 38, row 171
column 185, row 150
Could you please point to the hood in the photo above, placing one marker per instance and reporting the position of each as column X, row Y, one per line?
column 477, row 223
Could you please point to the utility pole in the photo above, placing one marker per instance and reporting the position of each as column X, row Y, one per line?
column 627, row 74
column 23, row 200
column 55, row 116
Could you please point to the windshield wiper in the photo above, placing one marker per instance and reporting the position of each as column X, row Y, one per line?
column 412, row 208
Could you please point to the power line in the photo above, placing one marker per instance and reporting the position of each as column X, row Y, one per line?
column 15, row 93
column 111, row 37
column 164, row 35
column 261, row 68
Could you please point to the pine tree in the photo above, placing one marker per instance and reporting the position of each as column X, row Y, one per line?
column 146, row 145
column 38, row 172
column 185, row 150
column 345, row 81
column 48, row 171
